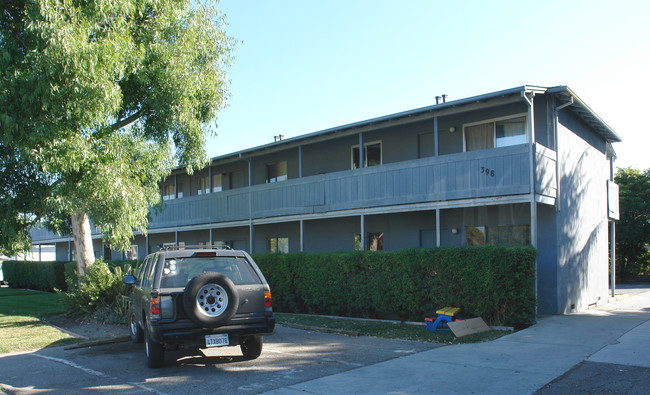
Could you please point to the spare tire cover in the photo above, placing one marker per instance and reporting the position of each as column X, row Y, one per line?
column 210, row 300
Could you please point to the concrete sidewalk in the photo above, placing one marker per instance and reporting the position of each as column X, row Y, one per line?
column 520, row 363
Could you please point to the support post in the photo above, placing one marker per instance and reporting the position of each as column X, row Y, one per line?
column 300, row 163
column 437, row 227
column 435, row 136
column 302, row 235
column 363, row 232
column 362, row 158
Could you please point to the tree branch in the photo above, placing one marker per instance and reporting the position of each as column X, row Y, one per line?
column 120, row 124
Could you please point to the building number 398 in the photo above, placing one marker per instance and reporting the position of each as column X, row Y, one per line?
column 487, row 172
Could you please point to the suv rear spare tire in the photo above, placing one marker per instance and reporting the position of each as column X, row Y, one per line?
column 210, row 300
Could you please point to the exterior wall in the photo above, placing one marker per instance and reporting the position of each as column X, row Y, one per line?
column 62, row 253
column 452, row 142
column 260, row 163
column 331, row 234
column 290, row 230
column 236, row 237
column 547, row 259
column 401, row 230
column 194, row 237
column 582, row 272
column 461, row 218
column 157, row 240
column 328, row 156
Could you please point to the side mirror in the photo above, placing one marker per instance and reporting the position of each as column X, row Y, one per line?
column 129, row 279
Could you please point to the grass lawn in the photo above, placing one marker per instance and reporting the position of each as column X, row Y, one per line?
column 382, row 329
column 20, row 326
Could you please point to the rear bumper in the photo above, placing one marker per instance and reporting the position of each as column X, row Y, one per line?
column 186, row 333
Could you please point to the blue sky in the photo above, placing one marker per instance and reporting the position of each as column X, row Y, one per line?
column 305, row 66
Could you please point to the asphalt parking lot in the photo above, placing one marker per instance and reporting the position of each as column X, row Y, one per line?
column 290, row 356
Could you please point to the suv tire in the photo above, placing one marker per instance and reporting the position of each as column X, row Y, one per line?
column 154, row 351
column 251, row 346
column 137, row 335
column 210, row 300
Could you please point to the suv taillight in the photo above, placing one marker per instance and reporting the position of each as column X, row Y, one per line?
column 267, row 299
column 154, row 309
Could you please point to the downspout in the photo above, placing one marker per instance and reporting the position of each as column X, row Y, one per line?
column 533, row 203
column 612, row 242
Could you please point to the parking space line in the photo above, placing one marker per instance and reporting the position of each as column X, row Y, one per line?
column 96, row 373
column 72, row 364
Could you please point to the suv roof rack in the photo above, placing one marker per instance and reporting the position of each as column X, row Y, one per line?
column 196, row 247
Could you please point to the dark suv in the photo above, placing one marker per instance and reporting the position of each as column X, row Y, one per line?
column 199, row 297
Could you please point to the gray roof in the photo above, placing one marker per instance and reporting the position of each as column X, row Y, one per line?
column 564, row 94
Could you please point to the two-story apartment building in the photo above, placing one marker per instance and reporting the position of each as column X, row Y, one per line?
column 528, row 165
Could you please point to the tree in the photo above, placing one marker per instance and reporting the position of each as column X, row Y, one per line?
column 98, row 101
column 633, row 229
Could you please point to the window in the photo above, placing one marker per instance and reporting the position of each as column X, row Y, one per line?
column 143, row 269
column 179, row 194
column 278, row 244
column 371, row 157
column 375, row 241
column 518, row 235
column 132, row 252
column 177, row 271
column 217, row 185
column 497, row 133
column 276, row 172
column 511, row 132
column 204, row 185
column 475, row 235
column 500, row 234
column 357, row 242
column 168, row 192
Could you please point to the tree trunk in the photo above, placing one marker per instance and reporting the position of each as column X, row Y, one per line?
column 83, row 243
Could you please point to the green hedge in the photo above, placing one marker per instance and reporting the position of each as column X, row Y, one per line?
column 46, row 276
column 493, row 282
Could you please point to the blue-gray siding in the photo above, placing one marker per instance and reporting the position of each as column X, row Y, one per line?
column 488, row 173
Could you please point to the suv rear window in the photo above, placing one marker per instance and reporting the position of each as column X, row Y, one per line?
column 178, row 271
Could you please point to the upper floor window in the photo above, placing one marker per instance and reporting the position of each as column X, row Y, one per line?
column 168, row 192
column 371, row 155
column 204, row 185
column 276, row 172
column 496, row 133
column 217, row 183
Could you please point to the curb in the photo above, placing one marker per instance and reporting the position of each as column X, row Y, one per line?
column 319, row 329
column 99, row 342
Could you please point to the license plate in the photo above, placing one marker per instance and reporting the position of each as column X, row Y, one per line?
column 216, row 340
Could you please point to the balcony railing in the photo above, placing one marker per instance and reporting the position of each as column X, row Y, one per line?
column 488, row 173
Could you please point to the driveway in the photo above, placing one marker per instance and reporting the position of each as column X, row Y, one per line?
column 290, row 356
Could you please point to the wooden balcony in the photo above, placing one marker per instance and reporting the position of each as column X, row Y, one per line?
column 488, row 173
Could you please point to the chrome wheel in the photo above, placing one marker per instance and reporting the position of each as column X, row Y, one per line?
column 212, row 300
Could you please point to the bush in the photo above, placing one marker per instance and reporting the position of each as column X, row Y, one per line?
column 48, row 276
column 99, row 295
column 44, row 276
column 493, row 282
